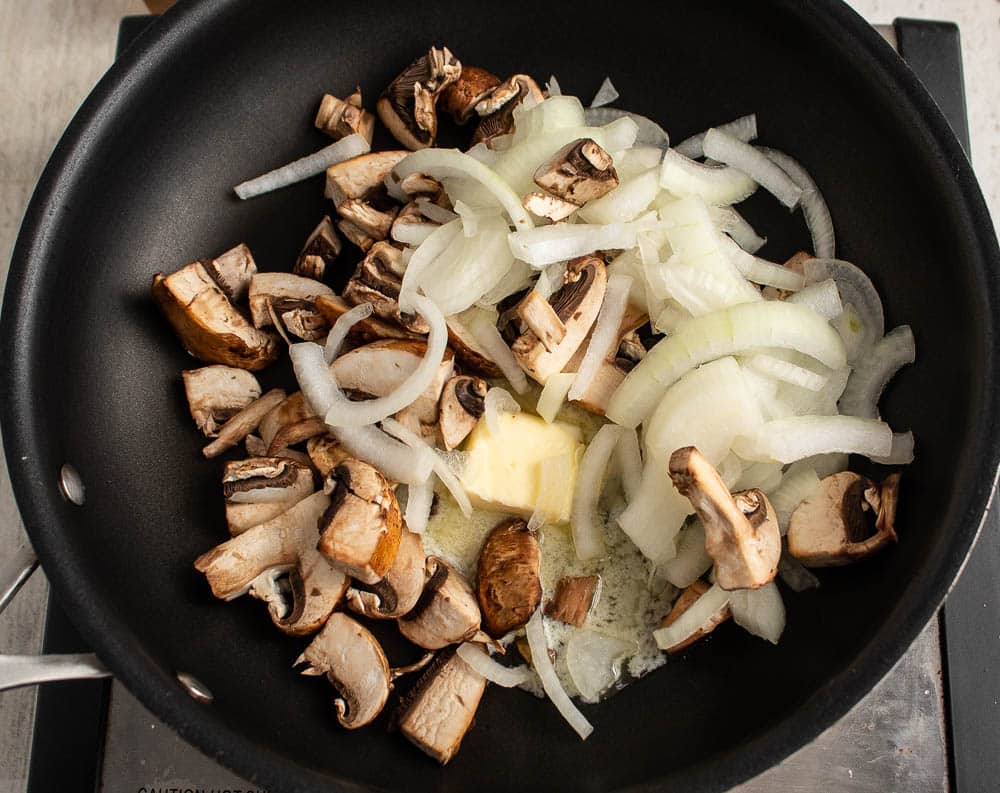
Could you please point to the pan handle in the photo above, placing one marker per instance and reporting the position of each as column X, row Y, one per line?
column 27, row 670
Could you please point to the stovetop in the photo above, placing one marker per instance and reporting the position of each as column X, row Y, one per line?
column 932, row 724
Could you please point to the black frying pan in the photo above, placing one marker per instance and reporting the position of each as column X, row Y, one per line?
column 219, row 91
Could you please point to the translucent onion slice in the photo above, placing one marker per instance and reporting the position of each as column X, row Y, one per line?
column 763, row 476
column 338, row 333
column 873, row 372
column 628, row 459
column 497, row 400
column 857, row 290
column 546, row 245
column 395, row 460
column 553, row 395
column 594, row 661
column 438, row 464
column 419, row 501
column 588, row 530
column 550, row 680
column 730, row 469
column 761, row 271
column 626, row 202
column 768, row 323
column 648, row 132
column 604, row 337
column 424, row 257
column 826, row 464
column 732, row 151
column 414, row 234
column 692, row 560
column 518, row 278
column 822, row 297
column 744, row 128
column 507, row 676
column 799, row 483
column 789, row 439
column 314, row 377
column 482, row 325
column 814, row 208
column 448, row 164
column 554, row 473
column 902, row 450
column 637, row 160
column 605, row 95
column 681, row 176
column 759, row 611
column 701, row 611
column 552, row 87
column 655, row 515
column 786, row 371
column 546, row 117
column 346, row 148
column 731, row 222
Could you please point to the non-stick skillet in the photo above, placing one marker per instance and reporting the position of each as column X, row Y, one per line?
column 219, row 91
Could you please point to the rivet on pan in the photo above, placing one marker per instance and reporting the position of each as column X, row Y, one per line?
column 195, row 687
column 71, row 485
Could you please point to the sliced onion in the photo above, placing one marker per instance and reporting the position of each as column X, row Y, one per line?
column 419, row 501
column 655, row 515
column 550, row 401
column 561, row 241
column 761, row 271
column 822, row 297
column 344, row 413
column 438, row 464
column 692, row 560
column 555, row 113
column 338, row 333
column 637, row 160
column 826, row 464
column 588, row 531
column 799, row 483
column 423, row 259
column 412, row 233
column 681, row 176
column 507, row 676
column 447, row 164
column 703, row 610
column 346, row 148
column 857, row 290
column 648, row 132
column 873, row 372
column 605, row 95
column 518, row 278
column 670, row 317
column 901, row 452
column 786, row 372
column 550, row 680
column 796, row 575
column 554, row 473
column 593, row 661
column 628, row 458
column 759, row 611
column 552, row 87
column 731, row 222
column 744, row 128
column 814, row 208
column 395, row 460
column 732, row 151
column 626, row 202
column 730, row 470
column 604, row 337
column 497, row 400
column 768, row 323
column 763, row 476
column 483, row 329
column 313, row 375
column 433, row 212
column 790, row 439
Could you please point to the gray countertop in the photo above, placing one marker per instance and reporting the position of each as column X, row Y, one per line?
column 52, row 53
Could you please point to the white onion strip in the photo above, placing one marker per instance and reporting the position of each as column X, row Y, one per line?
column 498, row 399
column 814, row 208
column 433, row 212
column 438, row 463
column 553, row 395
column 425, row 256
column 550, row 680
column 395, row 460
column 507, row 676
column 731, row 222
column 681, row 176
column 482, row 326
column 761, row 271
column 605, row 95
column 856, row 289
column 732, row 151
column 700, row 612
column 344, row 413
column 868, row 380
column 902, row 450
column 319, row 387
column 588, row 533
column 648, row 132
column 744, row 128
column 342, row 327
column 628, row 458
column 759, row 611
column 419, row 501
column 822, row 297
column 789, row 439
column 547, row 245
column 346, row 148
column 604, row 338
column 787, row 372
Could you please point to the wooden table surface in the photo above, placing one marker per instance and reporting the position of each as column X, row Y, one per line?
column 52, row 52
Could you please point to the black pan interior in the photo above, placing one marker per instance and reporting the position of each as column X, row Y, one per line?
column 218, row 92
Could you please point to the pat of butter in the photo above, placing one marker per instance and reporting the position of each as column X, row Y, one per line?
column 503, row 471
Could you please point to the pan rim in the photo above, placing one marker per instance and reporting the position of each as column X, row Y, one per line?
column 155, row 686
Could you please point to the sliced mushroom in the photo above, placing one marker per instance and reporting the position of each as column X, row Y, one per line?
column 439, row 710
column 574, row 598
column 847, row 519
column 380, row 367
column 325, row 453
column 256, row 560
column 377, row 280
column 305, row 323
column 399, row 591
column 217, row 393
column 684, row 601
column 463, row 402
column 232, row 271
column 579, row 172
column 206, row 322
column 576, row 304
column 407, row 107
column 497, row 107
column 371, row 329
column 419, row 185
column 290, row 411
column 360, row 530
column 282, row 292
column 321, row 249
column 741, row 530
column 373, row 214
column 243, row 423
column 341, row 117
column 357, row 177
column 352, row 660
column 549, row 206
column 541, row 319
column 255, row 446
column 470, row 354
column 446, row 612
column 461, row 97
column 630, row 350
column 508, row 583
column 355, row 235
column 261, row 488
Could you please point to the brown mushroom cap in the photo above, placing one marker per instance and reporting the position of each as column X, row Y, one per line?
column 463, row 402
column 447, row 611
column 498, row 106
column 360, row 529
column 217, row 393
column 399, row 591
column 472, row 86
column 508, row 583
column 574, row 598
column 407, row 106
